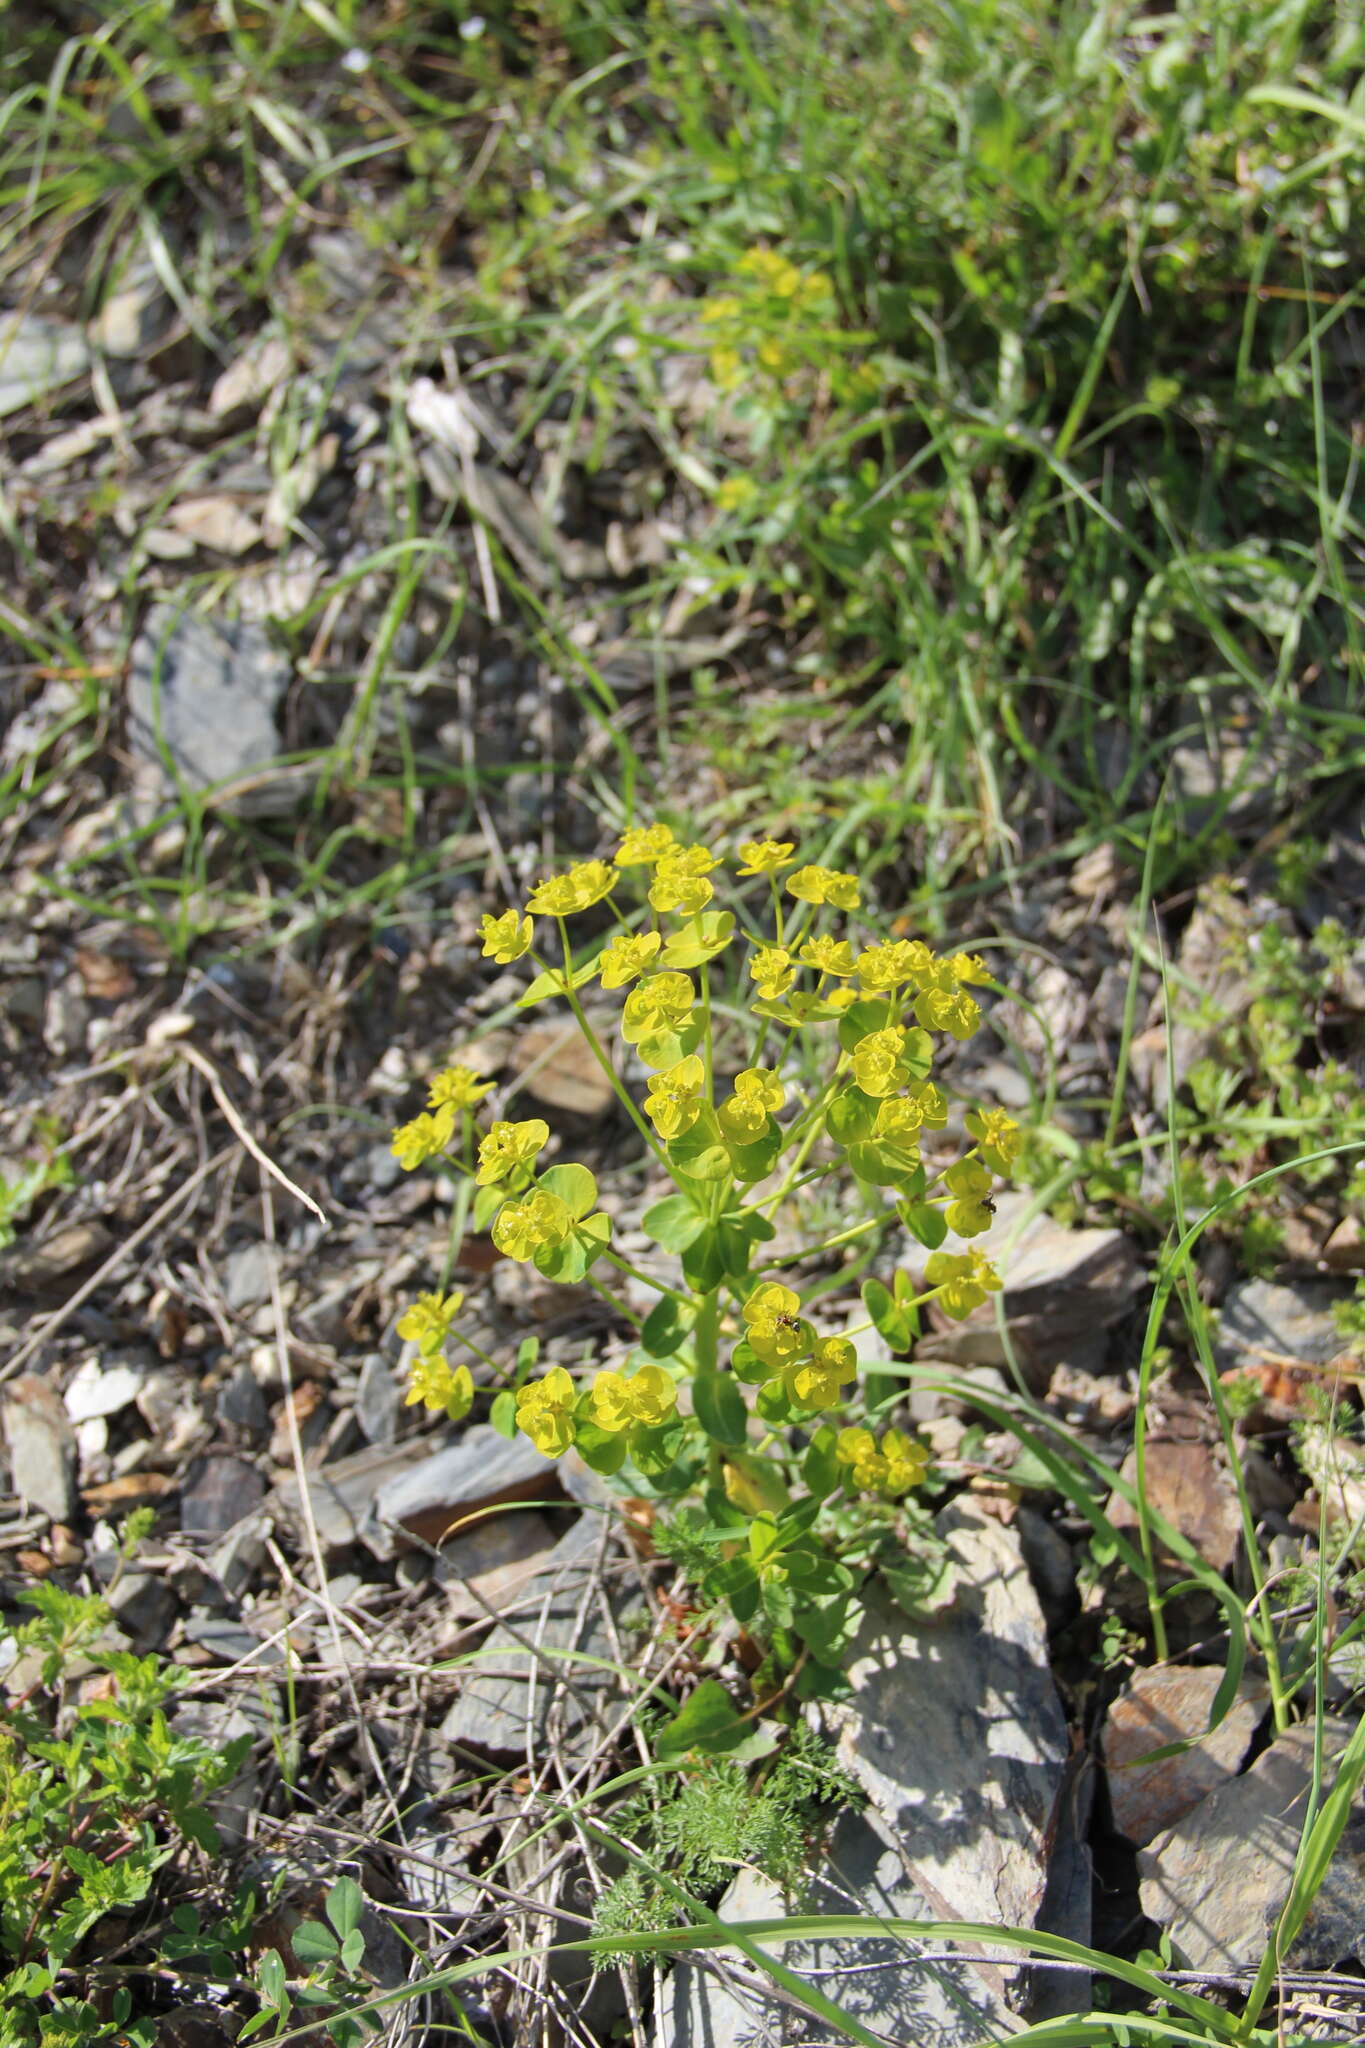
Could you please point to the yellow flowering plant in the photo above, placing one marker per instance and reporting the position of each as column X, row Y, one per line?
column 736, row 1403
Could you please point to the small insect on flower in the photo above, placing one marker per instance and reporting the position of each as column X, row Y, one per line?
column 777, row 1335
column 421, row 1139
column 505, row 938
column 457, row 1088
column 586, row 883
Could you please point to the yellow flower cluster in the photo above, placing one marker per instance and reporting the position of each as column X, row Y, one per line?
column 508, row 1151
column 891, row 1467
column 813, row 1370
column 961, row 1281
column 788, row 309
column 542, row 1221
column 757, row 1094
column 446, row 1389
column 548, row 1409
column 545, row 1412
column 428, row 1322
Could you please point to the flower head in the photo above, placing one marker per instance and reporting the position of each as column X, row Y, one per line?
column 672, row 1103
column 765, row 856
column 446, row 1389
column 773, row 971
column 828, row 956
column 504, row 1147
column 962, row 1280
column 640, row 1401
column 661, row 1002
column 674, row 889
column 906, row 1461
column 757, row 1093
column 428, row 1322
column 545, row 1412
column 586, row 883
column 879, row 1064
column 776, row 1332
column 643, row 845
column 824, row 885
column 885, row 967
column 628, row 955
column 997, row 1135
column 457, row 1088
column 857, row 1448
column 957, row 1014
column 541, row 1221
column 969, row 1179
column 505, row 938
column 816, row 1382
column 421, row 1139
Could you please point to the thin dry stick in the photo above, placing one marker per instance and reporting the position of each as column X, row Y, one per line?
column 60, row 1317
column 234, row 1122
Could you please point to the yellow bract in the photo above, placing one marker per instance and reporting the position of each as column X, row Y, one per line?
column 969, row 1218
column 671, row 1103
column 764, row 856
column 504, row 1147
column 628, row 955
column 545, row 1412
column 899, row 1464
column 643, row 845
column 505, row 938
column 416, row 1142
column 829, row 956
column 674, row 890
column 520, row 1229
column 906, row 1461
column 887, row 966
column 641, row 1401
column 773, row 970
column 817, row 1382
column 776, row 1333
column 428, row 1322
column 824, row 885
column 586, row 883
column 757, row 1092
column 958, row 1014
column 962, row 1280
column 969, row 1179
column 457, row 1088
column 998, row 1136
column 446, row 1389
column 879, row 1065
column 661, row 1002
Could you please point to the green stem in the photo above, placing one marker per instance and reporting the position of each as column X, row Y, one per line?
column 614, row 1258
column 614, row 1300
column 597, row 1049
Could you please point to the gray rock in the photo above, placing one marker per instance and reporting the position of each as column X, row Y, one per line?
column 1172, row 1704
column 1262, row 1319
column 1218, row 1881
column 221, row 1492
column 483, row 1569
column 144, row 1605
column 1052, row 1566
column 202, row 697
column 524, row 1691
column 96, row 1390
column 238, row 1555
column 246, row 1276
column 378, row 1403
column 42, row 1447
column 341, row 1495
column 956, row 1733
column 876, row 1979
column 241, row 1404
column 454, row 1486
column 37, row 356
column 133, row 315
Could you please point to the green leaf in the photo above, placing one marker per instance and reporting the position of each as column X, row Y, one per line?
column 313, row 1943
column 889, row 1319
column 674, row 1223
column 703, row 1267
column 353, row 1950
column 820, row 1468
column 708, row 933
column 487, row 1202
column 554, row 982
column 919, row 1052
column 925, row 1222
column 746, row 1364
column 720, row 1408
column 859, row 1020
column 574, row 1186
column 603, row 1450
column 707, row 1723
column 655, row 1451
column 773, row 1405
column 665, row 1328
column 885, row 1165
column 851, row 1115
column 755, row 1162
column 701, row 1153
column 764, row 1540
column 528, row 1351
column 666, row 1048
column 570, row 1261
column 345, row 1904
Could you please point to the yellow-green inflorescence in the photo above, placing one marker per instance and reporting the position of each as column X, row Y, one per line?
column 731, row 1358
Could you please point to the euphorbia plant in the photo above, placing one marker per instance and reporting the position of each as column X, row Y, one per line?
column 733, row 1403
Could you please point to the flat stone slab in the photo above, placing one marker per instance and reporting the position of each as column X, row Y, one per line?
column 522, row 1692
column 956, row 1733
column 445, row 1494
column 1262, row 1320
column 202, row 698
column 1218, row 1880
column 879, row 1980
column 1165, row 1706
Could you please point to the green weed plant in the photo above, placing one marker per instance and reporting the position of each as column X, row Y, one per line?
column 752, row 1424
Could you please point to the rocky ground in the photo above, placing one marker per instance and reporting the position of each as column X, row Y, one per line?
column 248, row 839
